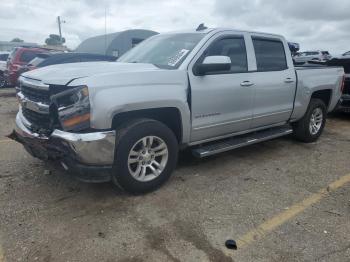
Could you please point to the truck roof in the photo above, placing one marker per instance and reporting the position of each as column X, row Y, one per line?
column 221, row 29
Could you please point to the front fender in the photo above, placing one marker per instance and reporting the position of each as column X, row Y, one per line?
column 107, row 103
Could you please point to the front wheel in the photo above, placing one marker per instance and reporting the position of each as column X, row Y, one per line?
column 310, row 127
column 145, row 156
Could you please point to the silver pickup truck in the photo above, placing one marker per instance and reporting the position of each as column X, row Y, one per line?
column 211, row 90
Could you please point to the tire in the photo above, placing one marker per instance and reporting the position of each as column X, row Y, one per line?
column 2, row 81
column 302, row 129
column 162, row 147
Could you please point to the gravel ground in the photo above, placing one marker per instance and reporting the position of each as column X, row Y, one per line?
column 46, row 215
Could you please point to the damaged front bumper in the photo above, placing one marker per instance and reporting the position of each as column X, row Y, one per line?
column 89, row 156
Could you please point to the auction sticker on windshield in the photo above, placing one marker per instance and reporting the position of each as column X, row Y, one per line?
column 176, row 58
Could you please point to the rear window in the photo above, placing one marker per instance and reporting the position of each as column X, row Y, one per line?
column 27, row 56
column 36, row 61
column 3, row 57
column 270, row 55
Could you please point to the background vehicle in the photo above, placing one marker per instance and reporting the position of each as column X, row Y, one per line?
column 17, row 59
column 212, row 90
column 294, row 48
column 343, row 61
column 46, row 59
column 3, row 59
column 312, row 56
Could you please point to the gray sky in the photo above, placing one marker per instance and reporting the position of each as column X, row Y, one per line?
column 315, row 24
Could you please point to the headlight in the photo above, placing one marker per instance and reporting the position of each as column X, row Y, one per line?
column 73, row 108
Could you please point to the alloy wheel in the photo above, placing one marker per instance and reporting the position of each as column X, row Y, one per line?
column 148, row 158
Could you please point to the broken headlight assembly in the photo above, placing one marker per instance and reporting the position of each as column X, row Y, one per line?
column 73, row 108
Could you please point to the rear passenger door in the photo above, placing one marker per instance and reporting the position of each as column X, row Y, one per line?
column 274, row 81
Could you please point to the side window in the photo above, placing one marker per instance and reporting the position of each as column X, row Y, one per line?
column 270, row 55
column 27, row 56
column 3, row 57
column 232, row 47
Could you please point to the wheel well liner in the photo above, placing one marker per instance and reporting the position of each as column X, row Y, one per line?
column 170, row 116
column 324, row 95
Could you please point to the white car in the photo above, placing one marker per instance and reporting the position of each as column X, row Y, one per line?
column 3, row 61
column 320, row 56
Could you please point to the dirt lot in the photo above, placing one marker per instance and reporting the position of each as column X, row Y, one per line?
column 248, row 195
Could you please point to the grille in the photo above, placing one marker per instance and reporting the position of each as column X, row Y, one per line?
column 36, row 95
column 38, row 121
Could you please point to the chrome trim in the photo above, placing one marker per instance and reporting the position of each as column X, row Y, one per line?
column 22, row 128
column 31, row 105
column 221, row 124
column 276, row 113
column 95, row 148
column 241, row 120
column 36, row 84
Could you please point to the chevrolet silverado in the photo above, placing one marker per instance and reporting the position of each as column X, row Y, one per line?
column 210, row 90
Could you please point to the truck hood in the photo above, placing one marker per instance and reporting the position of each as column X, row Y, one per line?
column 64, row 73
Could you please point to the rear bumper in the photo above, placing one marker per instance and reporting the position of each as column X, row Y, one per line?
column 89, row 156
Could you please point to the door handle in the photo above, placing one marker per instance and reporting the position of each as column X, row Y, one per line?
column 288, row 80
column 247, row 83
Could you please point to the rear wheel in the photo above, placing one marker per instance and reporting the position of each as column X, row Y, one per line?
column 146, row 155
column 310, row 127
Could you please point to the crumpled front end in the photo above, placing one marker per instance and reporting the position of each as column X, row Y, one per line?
column 50, row 128
column 89, row 156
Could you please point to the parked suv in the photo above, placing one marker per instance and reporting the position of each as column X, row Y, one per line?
column 18, row 58
column 312, row 56
column 3, row 59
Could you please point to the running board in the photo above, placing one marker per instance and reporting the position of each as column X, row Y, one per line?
column 240, row 141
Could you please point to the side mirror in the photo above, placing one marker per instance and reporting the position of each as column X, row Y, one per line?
column 213, row 64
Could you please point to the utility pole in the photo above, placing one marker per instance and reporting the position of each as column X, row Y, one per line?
column 59, row 22
column 105, row 30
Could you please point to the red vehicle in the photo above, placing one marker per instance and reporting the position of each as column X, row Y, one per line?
column 18, row 58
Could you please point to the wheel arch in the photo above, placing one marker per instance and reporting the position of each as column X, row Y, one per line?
column 325, row 95
column 170, row 116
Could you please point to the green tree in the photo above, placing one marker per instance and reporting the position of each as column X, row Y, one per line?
column 17, row 40
column 54, row 40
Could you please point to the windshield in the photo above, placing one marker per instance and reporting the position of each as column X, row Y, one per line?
column 165, row 51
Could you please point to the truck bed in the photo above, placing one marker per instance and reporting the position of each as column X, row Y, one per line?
column 313, row 78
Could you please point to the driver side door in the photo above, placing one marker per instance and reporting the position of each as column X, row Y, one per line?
column 221, row 102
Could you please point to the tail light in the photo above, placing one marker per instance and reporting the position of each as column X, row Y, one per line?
column 342, row 84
